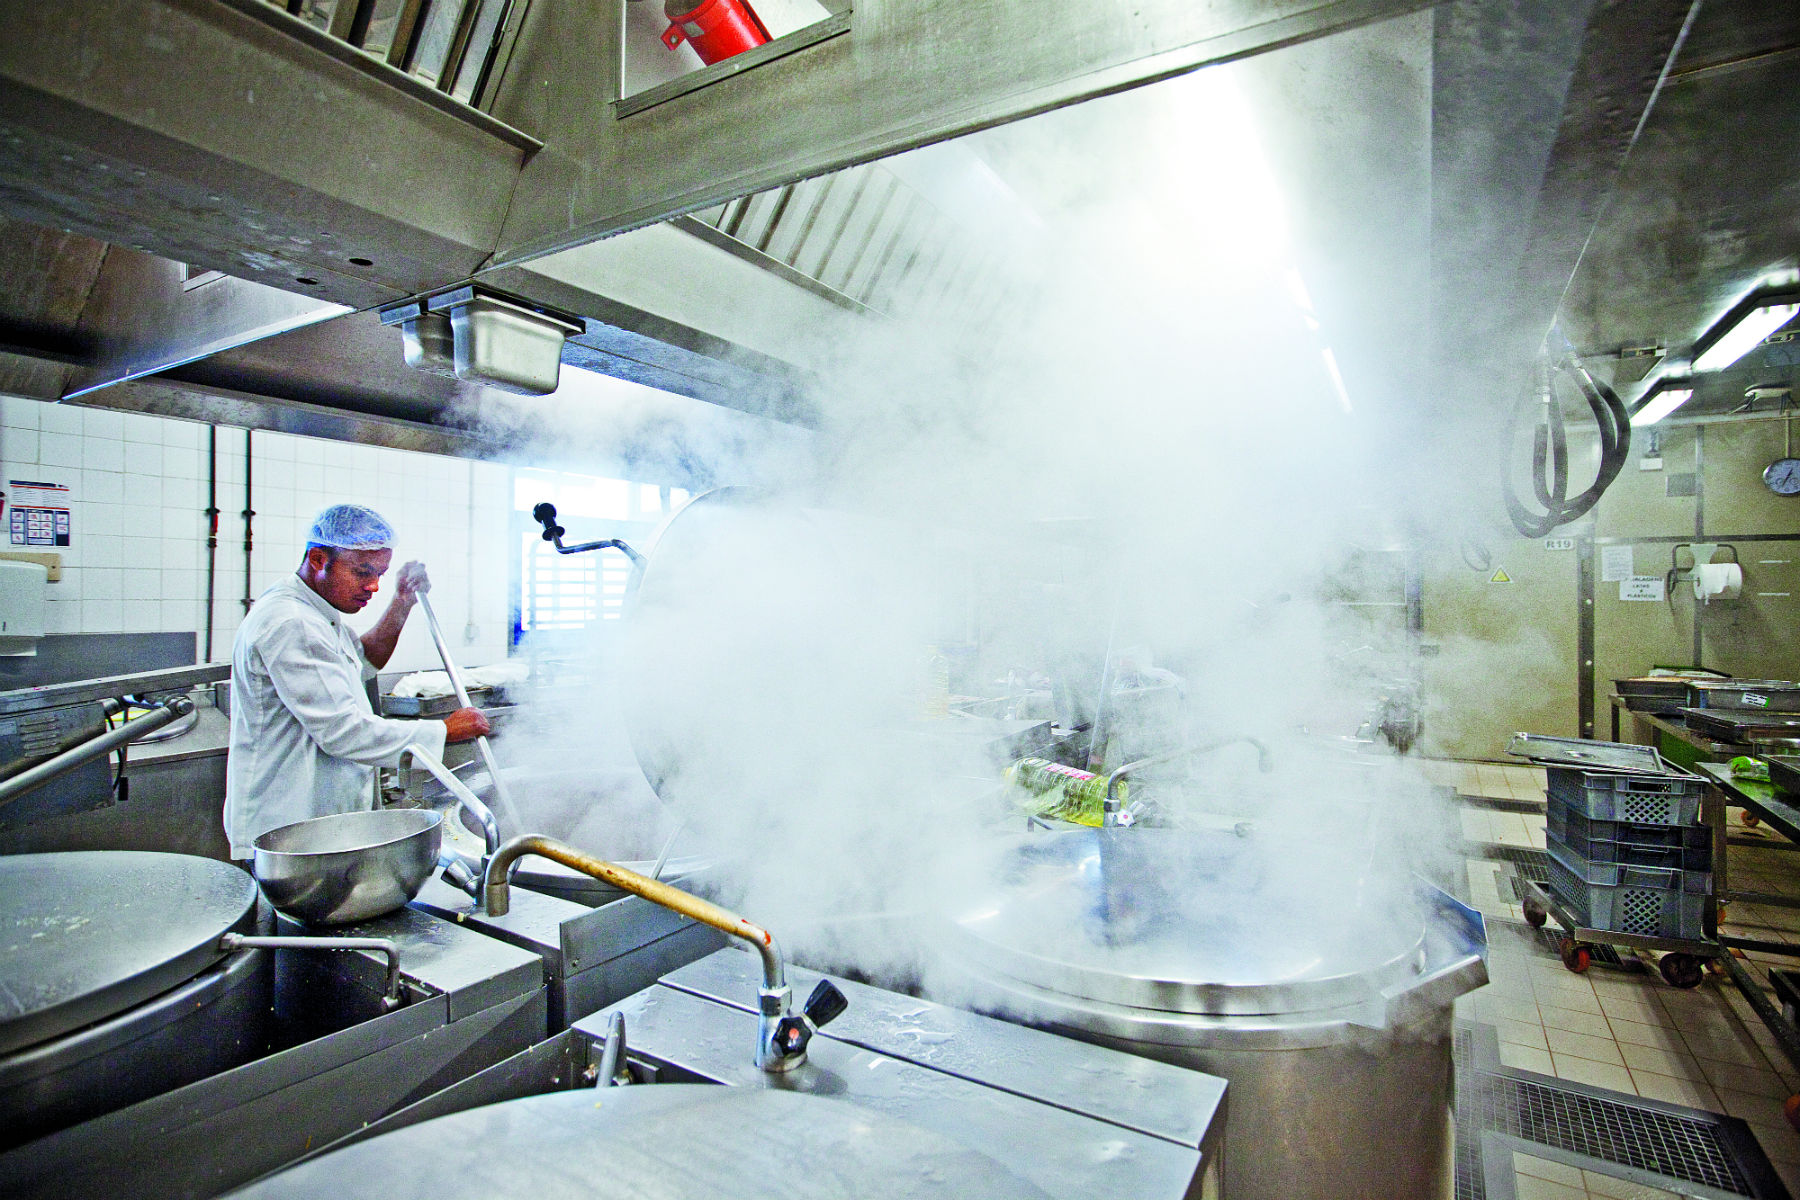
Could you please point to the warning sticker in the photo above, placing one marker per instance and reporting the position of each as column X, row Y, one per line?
column 38, row 513
column 1500, row 576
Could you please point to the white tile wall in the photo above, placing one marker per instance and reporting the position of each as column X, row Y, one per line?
column 138, row 561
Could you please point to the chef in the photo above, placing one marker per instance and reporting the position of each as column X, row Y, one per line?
column 304, row 740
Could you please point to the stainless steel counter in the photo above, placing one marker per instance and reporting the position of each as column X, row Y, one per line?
column 473, row 1001
column 1073, row 1119
column 591, row 956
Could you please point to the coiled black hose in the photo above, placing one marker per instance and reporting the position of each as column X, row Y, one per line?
column 1550, row 449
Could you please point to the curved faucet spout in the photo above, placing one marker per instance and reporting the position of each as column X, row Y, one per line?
column 777, row 1046
column 1265, row 762
column 498, row 891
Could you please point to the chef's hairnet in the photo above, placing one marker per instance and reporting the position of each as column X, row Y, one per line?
column 351, row 527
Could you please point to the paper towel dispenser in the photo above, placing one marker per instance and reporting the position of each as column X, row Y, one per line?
column 22, row 587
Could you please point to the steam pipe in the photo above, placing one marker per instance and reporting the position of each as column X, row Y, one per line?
column 1109, row 813
column 502, row 797
column 774, row 1053
column 98, row 747
column 390, row 999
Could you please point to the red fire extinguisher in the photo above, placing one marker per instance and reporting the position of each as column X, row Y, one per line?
column 716, row 29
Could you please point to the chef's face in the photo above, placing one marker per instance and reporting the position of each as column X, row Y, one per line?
column 348, row 579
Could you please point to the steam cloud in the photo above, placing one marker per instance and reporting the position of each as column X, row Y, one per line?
column 1145, row 447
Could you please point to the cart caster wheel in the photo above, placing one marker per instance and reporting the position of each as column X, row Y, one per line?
column 1535, row 916
column 1751, row 819
column 1575, row 956
column 1791, row 1110
column 1681, row 970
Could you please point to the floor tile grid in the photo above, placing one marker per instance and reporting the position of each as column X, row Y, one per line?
column 1543, row 1179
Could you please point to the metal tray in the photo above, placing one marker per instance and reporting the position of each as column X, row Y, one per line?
column 1784, row 773
column 1741, row 724
column 1584, row 752
column 436, row 706
column 1764, row 695
column 1660, row 687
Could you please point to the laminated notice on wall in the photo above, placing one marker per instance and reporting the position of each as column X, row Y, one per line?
column 1648, row 588
column 1616, row 565
column 38, row 514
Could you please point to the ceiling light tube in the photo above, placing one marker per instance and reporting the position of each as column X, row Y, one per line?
column 1743, row 329
column 1663, row 397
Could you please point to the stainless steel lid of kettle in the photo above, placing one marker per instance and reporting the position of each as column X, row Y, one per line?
column 86, row 934
column 1190, row 922
column 673, row 1141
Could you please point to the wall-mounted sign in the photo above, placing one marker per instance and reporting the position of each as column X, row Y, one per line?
column 1559, row 543
column 38, row 514
column 1645, row 588
column 1616, row 565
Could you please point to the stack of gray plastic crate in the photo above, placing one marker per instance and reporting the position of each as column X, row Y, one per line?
column 1627, row 851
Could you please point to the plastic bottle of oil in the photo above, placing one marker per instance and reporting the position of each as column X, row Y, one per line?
column 1063, row 793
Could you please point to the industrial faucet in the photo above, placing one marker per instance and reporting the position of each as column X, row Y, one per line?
column 781, row 1035
column 545, row 515
column 1110, row 814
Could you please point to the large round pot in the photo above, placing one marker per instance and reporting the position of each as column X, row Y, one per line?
column 1318, row 989
column 348, row 867
column 116, row 988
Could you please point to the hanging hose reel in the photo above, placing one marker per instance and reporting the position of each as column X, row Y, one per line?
column 1550, row 448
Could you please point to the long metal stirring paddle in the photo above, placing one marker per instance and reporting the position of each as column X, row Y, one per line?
column 502, row 797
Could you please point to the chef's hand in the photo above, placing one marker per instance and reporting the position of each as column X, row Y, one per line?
column 465, row 725
column 410, row 582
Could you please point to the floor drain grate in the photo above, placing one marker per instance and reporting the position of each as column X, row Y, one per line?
column 1699, row 1149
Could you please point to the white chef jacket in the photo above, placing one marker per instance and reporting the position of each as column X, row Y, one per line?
column 303, row 737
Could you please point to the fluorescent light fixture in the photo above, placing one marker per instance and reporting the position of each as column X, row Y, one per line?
column 1663, row 397
column 1743, row 328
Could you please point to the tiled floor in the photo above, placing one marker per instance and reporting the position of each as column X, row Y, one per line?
column 1626, row 1031
column 1541, row 1179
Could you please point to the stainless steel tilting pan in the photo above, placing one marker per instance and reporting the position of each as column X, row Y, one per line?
column 348, row 867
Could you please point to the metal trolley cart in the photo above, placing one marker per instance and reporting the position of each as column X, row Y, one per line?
column 1683, row 966
column 1630, row 861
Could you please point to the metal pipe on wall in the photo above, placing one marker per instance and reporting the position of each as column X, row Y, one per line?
column 212, row 530
column 249, row 519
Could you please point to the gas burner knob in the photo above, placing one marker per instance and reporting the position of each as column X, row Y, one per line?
column 791, row 1036
column 825, row 1004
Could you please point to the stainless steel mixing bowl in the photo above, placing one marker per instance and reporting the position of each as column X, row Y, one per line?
column 348, row 867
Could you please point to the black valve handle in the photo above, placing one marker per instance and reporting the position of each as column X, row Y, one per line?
column 825, row 1004
column 791, row 1036
column 545, row 515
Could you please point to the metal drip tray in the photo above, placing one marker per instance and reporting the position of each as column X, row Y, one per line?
column 1197, row 923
